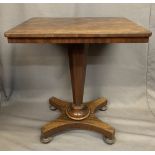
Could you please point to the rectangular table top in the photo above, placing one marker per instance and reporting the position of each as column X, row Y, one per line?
column 78, row 30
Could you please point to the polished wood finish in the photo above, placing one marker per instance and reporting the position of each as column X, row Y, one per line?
column 76, row 32
column 76, row 114
column 77, row 63
column 63, row 122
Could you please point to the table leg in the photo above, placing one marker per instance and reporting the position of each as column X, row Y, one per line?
column 76, row 115
column 77, row 63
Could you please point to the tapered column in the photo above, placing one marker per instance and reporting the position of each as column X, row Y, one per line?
column 77, row 64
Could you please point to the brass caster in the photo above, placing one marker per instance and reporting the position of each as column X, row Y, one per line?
column 52, row 108
column 45, row 140
column 104, row 108
column 108, row 140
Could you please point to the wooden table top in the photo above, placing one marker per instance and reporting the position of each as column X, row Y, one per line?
column 78, row 30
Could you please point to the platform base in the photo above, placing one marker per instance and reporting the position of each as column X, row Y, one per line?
column 91, row 122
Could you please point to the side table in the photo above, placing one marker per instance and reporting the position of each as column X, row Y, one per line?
column 77, row 32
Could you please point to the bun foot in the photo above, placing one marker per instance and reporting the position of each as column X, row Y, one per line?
column 45, row 140
column 52, row 108
column 108, row 140
column 104, row 108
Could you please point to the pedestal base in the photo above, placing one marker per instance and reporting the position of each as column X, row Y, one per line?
column 90, row 122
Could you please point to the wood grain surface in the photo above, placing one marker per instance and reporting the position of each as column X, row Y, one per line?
column 78, row 30
column 63, row 122
column 43, row 27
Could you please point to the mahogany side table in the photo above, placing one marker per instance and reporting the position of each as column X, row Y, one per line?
column 76, row 32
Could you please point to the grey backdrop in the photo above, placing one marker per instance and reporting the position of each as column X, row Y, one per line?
column 30, row 74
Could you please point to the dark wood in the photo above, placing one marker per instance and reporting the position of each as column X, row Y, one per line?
column 72, row 40
column 77, row 64
column 76, row 32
